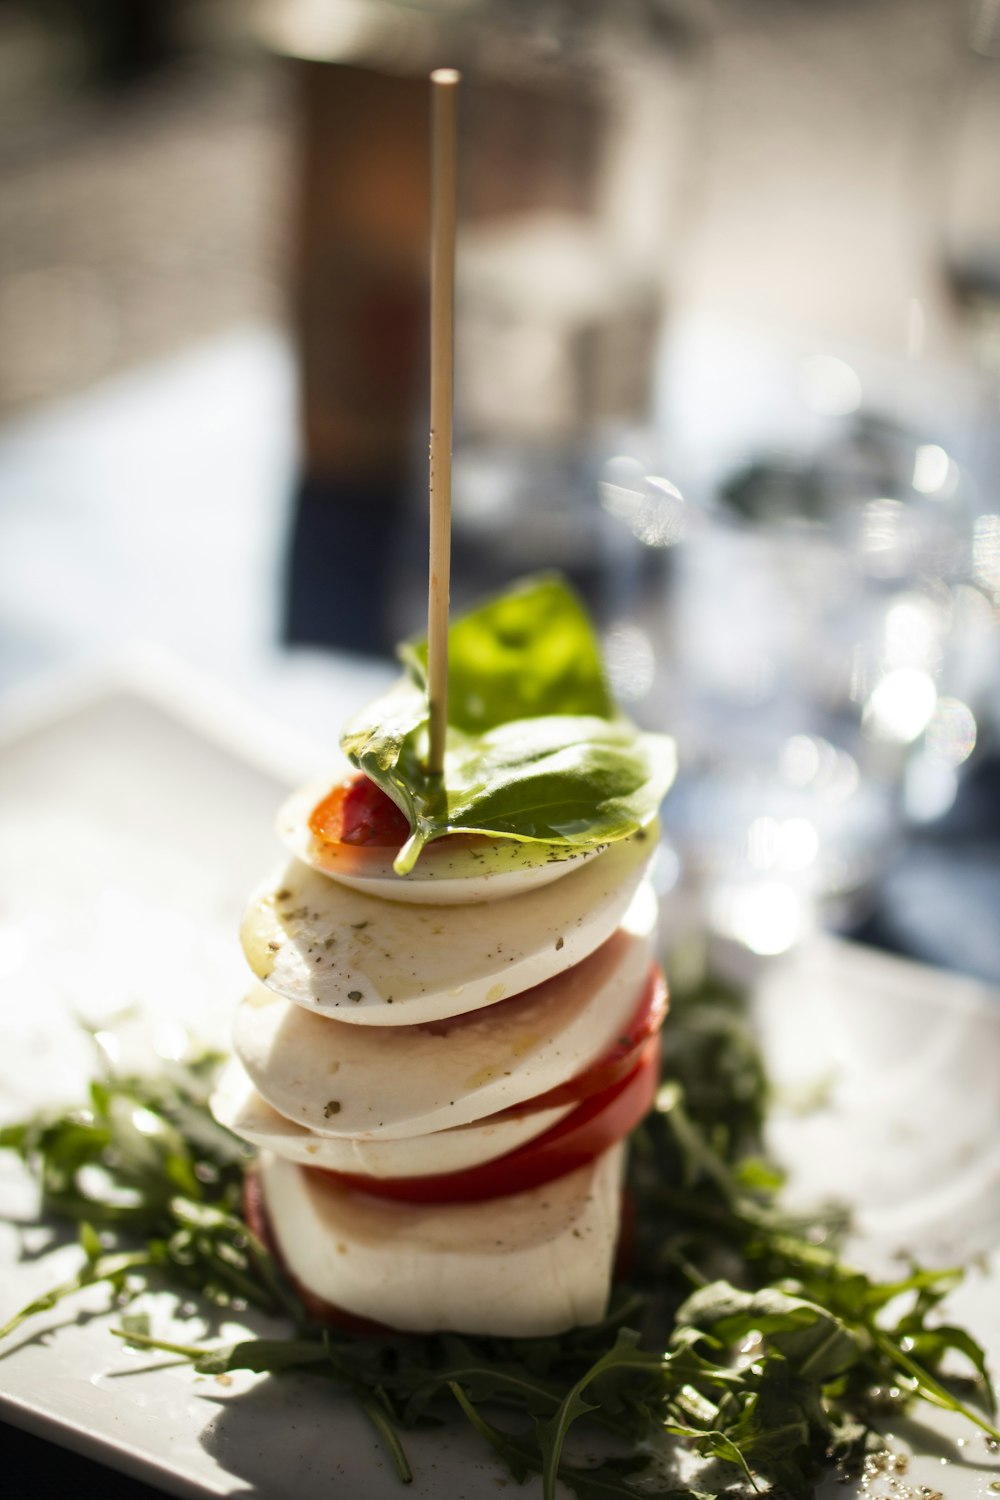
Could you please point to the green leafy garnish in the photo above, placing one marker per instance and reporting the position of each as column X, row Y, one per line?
column 536, row 750
column 144, row 1162
column 741, row 1332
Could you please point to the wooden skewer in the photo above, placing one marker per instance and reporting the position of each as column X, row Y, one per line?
column 444, row 135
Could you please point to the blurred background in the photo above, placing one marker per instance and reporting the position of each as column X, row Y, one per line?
column 728, row 353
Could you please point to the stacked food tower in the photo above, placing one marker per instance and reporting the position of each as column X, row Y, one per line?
column 441, row 1066
column 457, row 1018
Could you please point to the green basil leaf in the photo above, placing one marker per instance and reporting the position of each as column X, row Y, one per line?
column 535, row 751
column 530, row 651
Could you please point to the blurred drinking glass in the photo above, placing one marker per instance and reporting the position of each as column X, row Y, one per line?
column 824, row 651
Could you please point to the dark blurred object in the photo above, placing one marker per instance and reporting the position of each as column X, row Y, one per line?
column 558, row 293
column 47, row 1472
column 337, row 582
column 126, row 40
column 361, row 314
column 939, row 902
column 359, row 268
column 359, row 318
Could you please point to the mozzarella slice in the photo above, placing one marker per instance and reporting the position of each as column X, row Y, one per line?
column 237, row 1105
column 367, row 1081
column 388, row 963
column 524, row 1266
column 448, row 872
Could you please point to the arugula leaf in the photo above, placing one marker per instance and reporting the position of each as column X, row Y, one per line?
column 517, row 1456
column 256, row 1355
column 924, row 1384
column 930, row 1345
column 535, row 748
column 738, row 1334
column 598, row 1481
column 110, row 1270
column 623, row 1356
column 812, row 1340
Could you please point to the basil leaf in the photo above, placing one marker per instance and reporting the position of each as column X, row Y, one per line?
column 535, row 751
column 530, row 651
column 558, row 779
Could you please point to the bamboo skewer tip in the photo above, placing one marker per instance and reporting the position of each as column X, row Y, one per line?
column 443, row 152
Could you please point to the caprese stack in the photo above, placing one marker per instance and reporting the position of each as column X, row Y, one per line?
column 440, row 1068
column 456, row 1021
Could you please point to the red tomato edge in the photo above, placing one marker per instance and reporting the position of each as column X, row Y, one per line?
column 357, row 813
column 592, row 1127
column 615, row 1063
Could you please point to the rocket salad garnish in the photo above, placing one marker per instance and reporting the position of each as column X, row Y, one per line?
column 536, row 750
column 775, row 1372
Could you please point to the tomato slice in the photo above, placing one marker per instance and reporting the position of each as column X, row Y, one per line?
column 620, row 1058
column 596, row 1124
column 358, row 812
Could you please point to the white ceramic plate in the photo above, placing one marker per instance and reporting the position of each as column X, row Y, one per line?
column 130, row 837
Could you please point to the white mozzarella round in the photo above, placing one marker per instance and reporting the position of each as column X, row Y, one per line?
column 524, row 1266
column 388, row 963
column 237, row 1105
column 367, row 1081
column 447, row 873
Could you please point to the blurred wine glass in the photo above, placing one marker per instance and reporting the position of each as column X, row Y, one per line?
column 825, row 650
